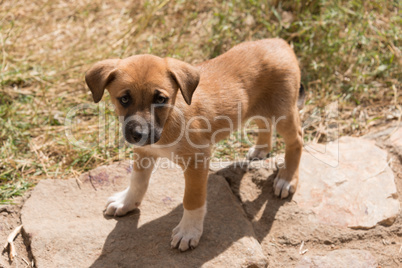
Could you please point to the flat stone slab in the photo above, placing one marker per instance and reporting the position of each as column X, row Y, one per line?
column 340, row 259
column 347, row 183
column 396, row 138
column 65, row 222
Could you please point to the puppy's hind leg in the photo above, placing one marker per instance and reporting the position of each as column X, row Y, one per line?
column 288, row 176
column 264, row 140
column 121, row 203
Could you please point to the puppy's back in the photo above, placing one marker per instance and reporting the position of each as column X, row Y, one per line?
column 265, row 73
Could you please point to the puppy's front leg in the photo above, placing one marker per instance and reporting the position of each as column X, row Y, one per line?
column 121, row 203
column 188, row 233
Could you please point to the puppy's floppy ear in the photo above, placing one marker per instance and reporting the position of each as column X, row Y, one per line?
column 99, row 76
column 185, row 75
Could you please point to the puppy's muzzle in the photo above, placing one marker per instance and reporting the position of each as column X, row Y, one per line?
column 139, row 132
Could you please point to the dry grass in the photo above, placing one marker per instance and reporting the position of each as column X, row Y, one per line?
column 349, row 51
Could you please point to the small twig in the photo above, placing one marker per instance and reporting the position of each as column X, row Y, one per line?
column 301, row 251
column 90, row 179
column 10, row 243
column 77, row 180
column 56, row 173
column 301, row 246
column 40, row 159
column 26, row 261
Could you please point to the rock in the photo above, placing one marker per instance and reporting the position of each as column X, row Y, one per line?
column 340, row 258
column 396, row 138
column 391, row 136
column 395, row 141
column 347, row 183
column 382, row 134
column 67, row 228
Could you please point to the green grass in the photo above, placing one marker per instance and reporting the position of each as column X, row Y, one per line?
column 349, row 52
column 12, row 189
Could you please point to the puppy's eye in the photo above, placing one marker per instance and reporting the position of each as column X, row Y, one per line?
column 161, row 99
column 125, row 100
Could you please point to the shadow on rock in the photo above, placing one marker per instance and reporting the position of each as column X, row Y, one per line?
column 254, row 189
column 226, row 230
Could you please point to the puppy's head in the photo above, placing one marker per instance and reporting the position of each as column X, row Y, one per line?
column 143, row 89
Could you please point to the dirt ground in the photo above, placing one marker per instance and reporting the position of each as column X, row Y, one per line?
column 10, row 218
column 280, row 228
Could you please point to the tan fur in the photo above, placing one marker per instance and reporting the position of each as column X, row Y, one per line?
column 260, row 77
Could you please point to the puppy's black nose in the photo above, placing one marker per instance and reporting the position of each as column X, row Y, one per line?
column 139, row 134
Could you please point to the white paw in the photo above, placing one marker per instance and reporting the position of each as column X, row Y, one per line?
column 257, row 153
column 187, row 234
column 121, row 203
column 283, row 188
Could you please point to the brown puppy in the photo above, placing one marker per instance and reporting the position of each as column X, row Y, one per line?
column 258, row 80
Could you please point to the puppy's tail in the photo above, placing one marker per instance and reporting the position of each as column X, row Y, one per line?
column 302, row 96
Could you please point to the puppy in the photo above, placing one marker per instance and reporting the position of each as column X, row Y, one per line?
column 172, row 109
